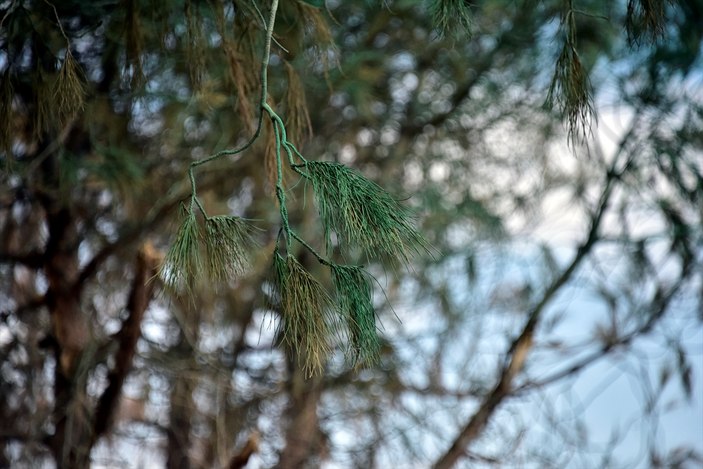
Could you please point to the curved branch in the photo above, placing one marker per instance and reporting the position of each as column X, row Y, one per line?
column 661, row 301
column 519, row 349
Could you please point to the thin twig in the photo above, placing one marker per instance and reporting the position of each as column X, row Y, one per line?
column 262, row 103
column 58, row 22
column 662, row 301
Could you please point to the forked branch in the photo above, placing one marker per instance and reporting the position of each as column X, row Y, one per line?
column 520, row 348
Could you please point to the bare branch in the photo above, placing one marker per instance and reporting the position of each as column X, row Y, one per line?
column 662, row 300
column 521, row 346
column 32, row 259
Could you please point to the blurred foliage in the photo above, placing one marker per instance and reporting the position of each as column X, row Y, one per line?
column 554, row 263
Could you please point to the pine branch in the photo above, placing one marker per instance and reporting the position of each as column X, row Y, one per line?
column 183, row 263
column 362, row 214
column 262, row 104
column 451, row 16
column 570, row 90
column 354, row 297
column 307, row 322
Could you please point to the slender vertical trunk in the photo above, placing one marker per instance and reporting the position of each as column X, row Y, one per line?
column 181, row 400
column 303, row 436
column 70, row 329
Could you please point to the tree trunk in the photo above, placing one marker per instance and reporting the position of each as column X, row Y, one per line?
column 70, row 332
column 303, row 436
column 178, row 433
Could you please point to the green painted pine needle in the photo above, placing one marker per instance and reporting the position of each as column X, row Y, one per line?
column 229, row 243
column 353, row 286
column 307, row 321
column 183, row 263
column 363, row 214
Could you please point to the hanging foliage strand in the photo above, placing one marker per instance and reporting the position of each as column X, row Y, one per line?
column 354, row 296
column 451, row 16
column 307, row 321
column 362, row 214
column 570, row 90
column 183, row 264
column 229, row 242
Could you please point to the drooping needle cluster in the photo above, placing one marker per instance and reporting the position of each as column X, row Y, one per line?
column 362, row 215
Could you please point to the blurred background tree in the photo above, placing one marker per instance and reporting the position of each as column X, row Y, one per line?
column 552, row 151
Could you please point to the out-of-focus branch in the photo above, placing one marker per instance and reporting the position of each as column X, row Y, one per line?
column 29, row 305
column 128, row 238
column 241, row 459
column 140, row 295
column 521, row 346
column 33, row 259
column 662, row 299
column 479, row 70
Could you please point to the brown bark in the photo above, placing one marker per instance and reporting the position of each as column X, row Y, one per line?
column 181, row 402
column 69, row 326
column 303, row 436
column 76, row 429
column 70, row 333
column 142, row 288
column 241, row 459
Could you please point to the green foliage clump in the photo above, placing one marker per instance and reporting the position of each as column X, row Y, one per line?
column 183, row 263
column 362, row 214
column 228, row 241
column 353, row 286
column 451, row 16
column 307, row 322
